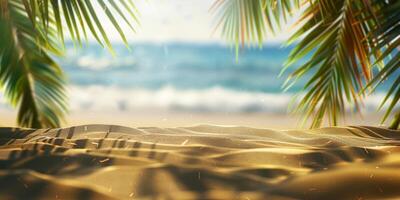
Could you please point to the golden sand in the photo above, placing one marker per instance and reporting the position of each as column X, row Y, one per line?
column 201, row 162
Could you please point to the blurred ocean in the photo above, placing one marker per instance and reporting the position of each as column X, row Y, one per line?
column 180, row 77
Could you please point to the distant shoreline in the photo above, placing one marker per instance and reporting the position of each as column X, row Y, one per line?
column 157, row 118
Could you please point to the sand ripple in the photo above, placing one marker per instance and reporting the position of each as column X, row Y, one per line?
column 201, row 162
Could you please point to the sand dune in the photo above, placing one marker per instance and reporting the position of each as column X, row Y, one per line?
column 201, row 162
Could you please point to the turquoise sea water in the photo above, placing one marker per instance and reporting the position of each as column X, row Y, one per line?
column 179, row 65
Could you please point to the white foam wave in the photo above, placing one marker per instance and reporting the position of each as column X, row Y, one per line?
column 215, row 99
column 94, row 62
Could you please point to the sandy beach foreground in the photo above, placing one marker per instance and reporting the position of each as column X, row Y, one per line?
column 200, row 162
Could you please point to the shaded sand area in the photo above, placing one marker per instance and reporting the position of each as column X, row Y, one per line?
column 201, row 162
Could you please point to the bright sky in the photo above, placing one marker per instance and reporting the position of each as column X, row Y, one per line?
column 174, row 20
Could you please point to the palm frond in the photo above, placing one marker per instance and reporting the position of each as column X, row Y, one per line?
column 334, row 39
column 81, row 17
column 249, row 20
column 334, row 34
column 31, row 31
column 31, row 80
column 387, row 37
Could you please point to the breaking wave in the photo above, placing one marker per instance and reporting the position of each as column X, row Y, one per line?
column 214, row 99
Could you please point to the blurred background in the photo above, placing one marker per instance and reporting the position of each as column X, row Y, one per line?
column 178, row 72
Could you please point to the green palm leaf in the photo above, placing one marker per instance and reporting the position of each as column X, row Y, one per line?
column 31, row 31
column 387, row 38
column 337, row 39
column 31, row 80
column 334, row 33
column 81, row 17
column 248, row 20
